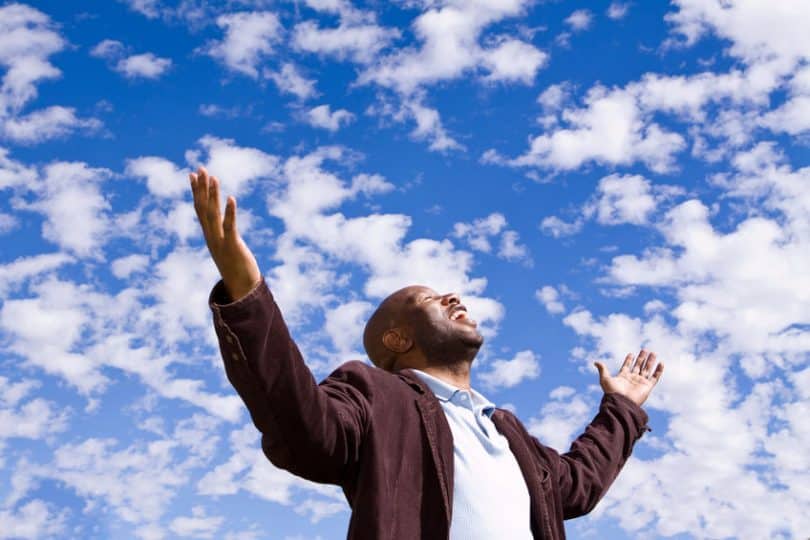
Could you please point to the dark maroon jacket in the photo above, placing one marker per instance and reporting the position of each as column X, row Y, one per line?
column 384, row 439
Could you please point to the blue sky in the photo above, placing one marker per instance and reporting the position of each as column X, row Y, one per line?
column 590, row 177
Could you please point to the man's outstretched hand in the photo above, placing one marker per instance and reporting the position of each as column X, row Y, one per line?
column 635, row 379
column 235, row 262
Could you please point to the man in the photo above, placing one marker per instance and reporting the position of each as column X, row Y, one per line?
column 418, row 452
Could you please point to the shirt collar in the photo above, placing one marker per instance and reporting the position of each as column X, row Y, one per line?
column 445, row 391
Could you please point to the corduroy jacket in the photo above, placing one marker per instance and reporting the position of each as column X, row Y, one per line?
column 383, row 437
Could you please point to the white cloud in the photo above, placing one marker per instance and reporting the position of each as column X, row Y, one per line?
column 123, row 267
column 198, row 525
column 561, row 418
column 512, row 250
column 554, row 96
column 429, row 127
column 138, row 481
column 617, row 10
column 450, row 48
column 148, row 8
column 108, row 48
column 145, row 65
column 28, row 39
column 344, row 325
column 624, row 199
column 214, row 110
column 734, row 342
column 175, row 287
column 758, row 31
column 513, row 60
column 289, row 80
column 72, row 331
column 249, row 38
column 248, row 469
column 34, row 419
column 34, row 519
column 7, row 223
column 550, row 298
column 181, row 221
column 617, row 126
column 793, row 117
column 714, row 273
column 609, row 130
column 449, row 37
column 702, row 395
column 76, row 211
column 24, row 268
column 195, row 14
column 322, row 117
column 163, row 178
column 357, row 37
column 15, row 174
column 556, row 227
column 509, row 373
column 479, row 233
column 316, row 233
column 579, row 20
column 49, row 123
column 236, row 167
column 45, row 330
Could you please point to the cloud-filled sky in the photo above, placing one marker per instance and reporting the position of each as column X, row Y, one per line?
column 591, row 177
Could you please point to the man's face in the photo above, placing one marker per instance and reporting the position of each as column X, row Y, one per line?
column 439, row 324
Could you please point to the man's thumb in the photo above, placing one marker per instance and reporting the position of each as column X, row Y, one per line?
column 600, row 367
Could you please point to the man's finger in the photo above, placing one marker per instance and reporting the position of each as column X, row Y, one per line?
column 199, row 203
column 195, row 188
column 627, row 361
column 642, row 356
column 648, row 365
column 214, row 215
column 658, row 372
column 202, row 188
column 229, row 225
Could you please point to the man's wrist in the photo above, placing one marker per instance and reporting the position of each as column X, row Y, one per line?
column 238, row 289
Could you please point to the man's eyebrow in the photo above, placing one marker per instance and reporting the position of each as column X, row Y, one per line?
column 413, row 297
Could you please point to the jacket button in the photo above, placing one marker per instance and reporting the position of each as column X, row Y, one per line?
column 235, row 357
column 228, row 338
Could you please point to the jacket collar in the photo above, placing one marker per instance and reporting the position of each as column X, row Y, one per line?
column 445, row 392
column 413, row 380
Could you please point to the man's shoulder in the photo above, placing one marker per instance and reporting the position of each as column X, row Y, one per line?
column 358, row 368
column 506, row 416
column 366, row 377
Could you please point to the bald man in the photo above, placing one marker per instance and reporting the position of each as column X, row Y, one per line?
column 417, row 451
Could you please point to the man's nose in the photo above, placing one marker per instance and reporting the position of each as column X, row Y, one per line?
column 451, row 298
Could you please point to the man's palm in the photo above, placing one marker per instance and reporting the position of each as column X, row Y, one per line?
column 635, row 379
column 233, row 258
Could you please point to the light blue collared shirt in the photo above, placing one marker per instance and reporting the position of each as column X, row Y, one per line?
column 490, row 497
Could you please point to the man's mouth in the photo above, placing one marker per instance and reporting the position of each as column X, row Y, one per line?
column 459, row 313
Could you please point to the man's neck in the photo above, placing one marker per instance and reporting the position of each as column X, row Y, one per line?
column 456, row 374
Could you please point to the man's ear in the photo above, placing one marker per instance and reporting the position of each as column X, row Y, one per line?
column 396, row 341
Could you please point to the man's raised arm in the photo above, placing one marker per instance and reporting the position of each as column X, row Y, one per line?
column 588, row 469
column 312, row 431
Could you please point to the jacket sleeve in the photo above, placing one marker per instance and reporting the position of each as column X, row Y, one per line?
column 314, row 431
column 595, row 458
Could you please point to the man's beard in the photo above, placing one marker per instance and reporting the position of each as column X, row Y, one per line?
column 447, row 347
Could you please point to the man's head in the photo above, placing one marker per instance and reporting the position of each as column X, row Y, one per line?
column 416, row 326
